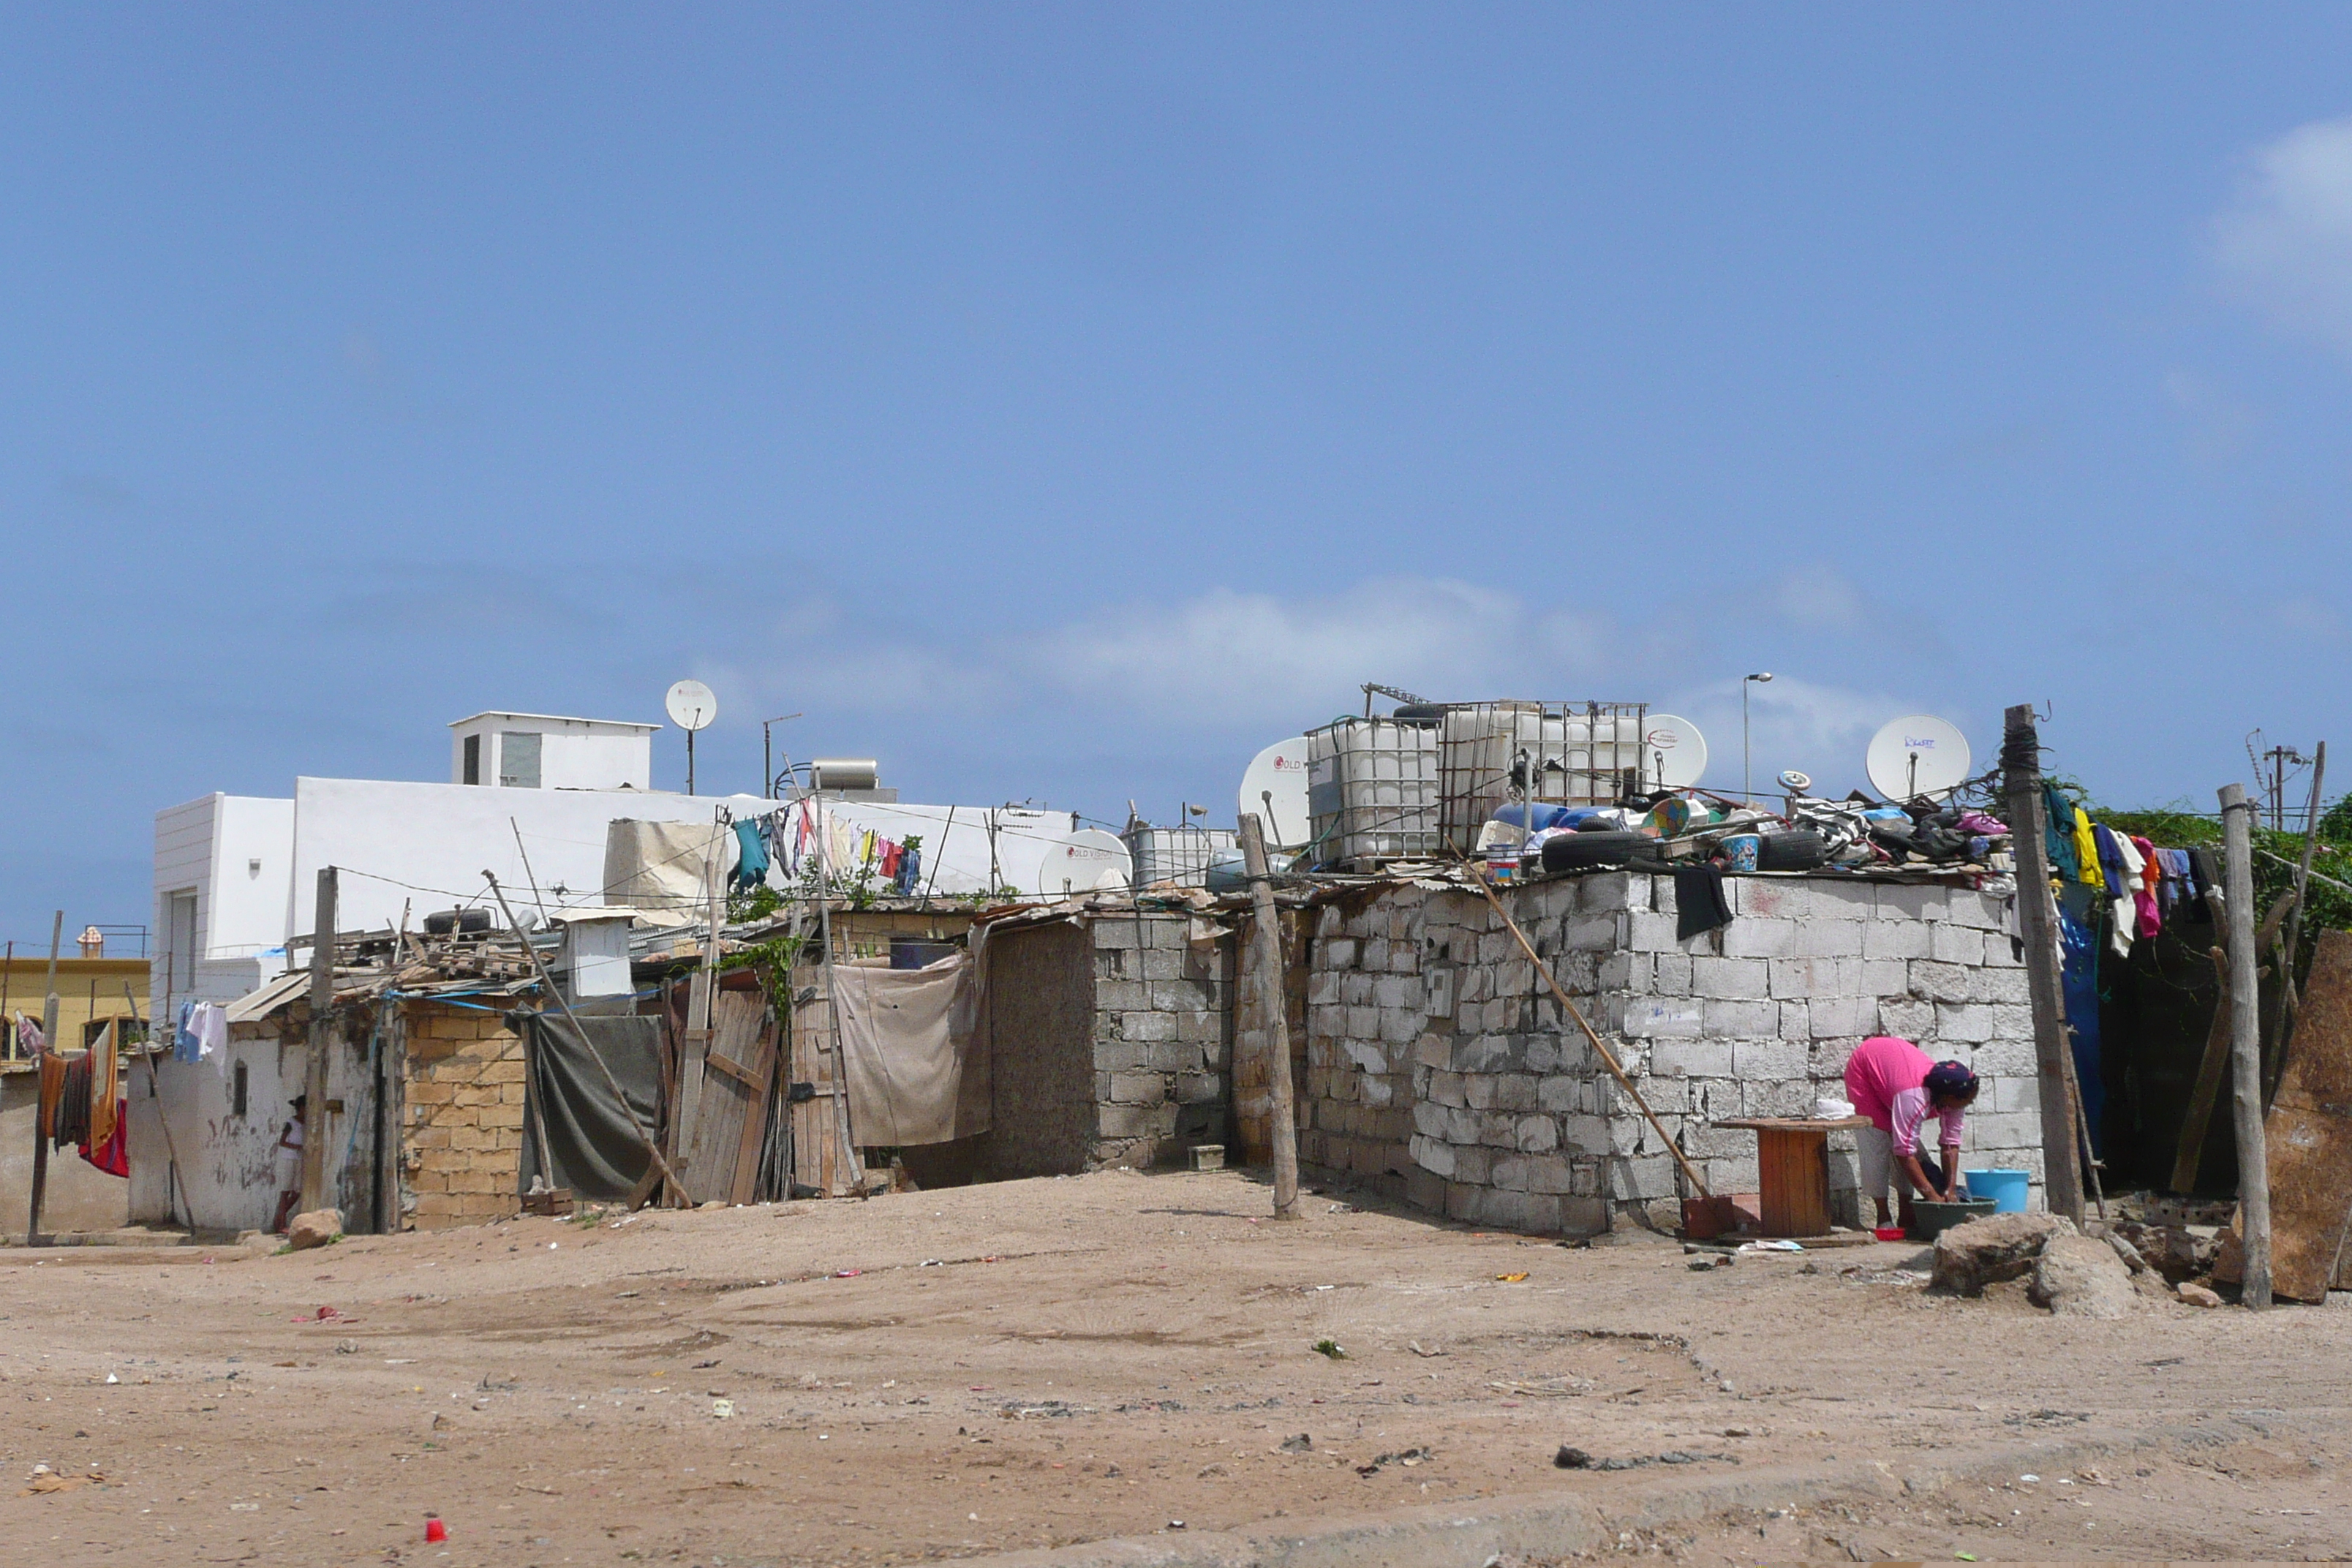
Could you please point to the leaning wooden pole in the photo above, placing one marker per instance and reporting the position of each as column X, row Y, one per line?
column 1266, row 955
column 48, row 1044
column 2246, row 1045
column 2020, row 759
column 2288, row 1001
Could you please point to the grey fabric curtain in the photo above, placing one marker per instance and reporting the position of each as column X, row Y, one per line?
column 590, row 1143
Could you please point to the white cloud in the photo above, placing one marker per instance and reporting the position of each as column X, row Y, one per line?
column 2285, row 241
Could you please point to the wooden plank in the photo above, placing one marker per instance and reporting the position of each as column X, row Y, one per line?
column 736, row 1019
column 755, row 1121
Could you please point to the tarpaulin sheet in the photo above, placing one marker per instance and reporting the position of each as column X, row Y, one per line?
column 593, row 1149
column 907, row 1042
column 662, row 867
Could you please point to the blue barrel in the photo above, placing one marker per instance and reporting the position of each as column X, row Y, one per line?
column 2007, row 1189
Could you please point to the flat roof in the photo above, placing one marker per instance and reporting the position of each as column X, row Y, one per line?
column 554, row 718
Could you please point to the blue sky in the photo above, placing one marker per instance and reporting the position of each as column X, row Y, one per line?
column 1062, row 403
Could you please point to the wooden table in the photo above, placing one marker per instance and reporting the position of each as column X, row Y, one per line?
column 1792, row 1169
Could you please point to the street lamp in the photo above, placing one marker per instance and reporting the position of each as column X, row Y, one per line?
column 1747, row 783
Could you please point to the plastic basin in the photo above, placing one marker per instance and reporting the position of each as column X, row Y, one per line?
column 1929, row 1221
column 2007, row 1189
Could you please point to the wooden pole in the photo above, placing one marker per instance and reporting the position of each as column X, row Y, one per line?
column 2021, row 758
column 33, row 1237
column 2246, row 1045
column 1265, row 963
column 2288, row 1001
column 323, row 1010
column 2210, row 1068
column 1608, row 1059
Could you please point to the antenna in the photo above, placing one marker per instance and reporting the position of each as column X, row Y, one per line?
column 1916, row 755
column 1673, row 752
column 691, row 708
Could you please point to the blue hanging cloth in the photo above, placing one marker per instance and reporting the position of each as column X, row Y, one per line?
column 2078, row 943
column 751, row 862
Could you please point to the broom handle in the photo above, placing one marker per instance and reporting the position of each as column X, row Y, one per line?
column 1607, row 1060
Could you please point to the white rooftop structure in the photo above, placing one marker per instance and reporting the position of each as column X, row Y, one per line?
column 548, row 751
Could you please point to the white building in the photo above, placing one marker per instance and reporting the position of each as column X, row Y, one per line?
column 531, row 799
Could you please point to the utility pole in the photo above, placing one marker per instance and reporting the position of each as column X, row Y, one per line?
column 322, row 1008
column 2246, row 1045
column 2020, row 759
column 1265, row 963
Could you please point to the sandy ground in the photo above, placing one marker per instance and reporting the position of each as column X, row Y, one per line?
column 948, row 1374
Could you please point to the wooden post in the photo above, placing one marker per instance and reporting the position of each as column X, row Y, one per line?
column 2212, row 1065
column 322, row 1009
column 2246, row 1045
column 2021, row 758
column 33, row 1237
column 2288, row 1001
column 1265, row 963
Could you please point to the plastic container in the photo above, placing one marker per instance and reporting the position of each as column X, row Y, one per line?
column 1740, row 849
column 1371, row 790
column 1930, row 1220
column 2006, row 1189
column 1177, row 856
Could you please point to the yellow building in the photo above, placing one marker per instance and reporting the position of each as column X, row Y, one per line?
column 90, row 992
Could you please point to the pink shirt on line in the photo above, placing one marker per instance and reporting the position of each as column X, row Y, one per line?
column 1886, row 1080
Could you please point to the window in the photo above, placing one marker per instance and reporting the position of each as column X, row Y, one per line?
column 518, row 758
column 236, row 1091
column 179, row 945
column 473, row 759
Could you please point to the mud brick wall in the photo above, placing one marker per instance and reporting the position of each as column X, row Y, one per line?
column 1435, row 1055
column 461, row 1154
column 1163, row 1042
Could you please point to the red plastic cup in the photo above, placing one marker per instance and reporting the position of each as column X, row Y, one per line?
column 434, row 1529
column 1888, row 1232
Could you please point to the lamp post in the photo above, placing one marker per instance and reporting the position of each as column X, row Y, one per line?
column 1746, row 781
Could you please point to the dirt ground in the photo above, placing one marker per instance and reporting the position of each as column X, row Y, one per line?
column 987, row 1368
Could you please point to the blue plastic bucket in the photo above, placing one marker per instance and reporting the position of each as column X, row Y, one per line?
column 2006, row 1188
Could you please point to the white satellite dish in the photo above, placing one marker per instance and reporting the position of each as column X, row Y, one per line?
column 1088, row 861
column 1916, row 755
column 691, row 706
column 1279, row 771
column 1674, row 753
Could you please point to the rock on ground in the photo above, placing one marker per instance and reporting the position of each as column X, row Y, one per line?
column 2081, row 1277
column 1999, row 1247
column 2197, row 1295
column 315, row 1229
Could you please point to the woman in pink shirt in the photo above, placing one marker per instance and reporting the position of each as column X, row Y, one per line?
column 1891, row 1082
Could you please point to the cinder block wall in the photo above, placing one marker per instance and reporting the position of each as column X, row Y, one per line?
column 461, row 1152
column 1429, row 1029
column 1163, row 1038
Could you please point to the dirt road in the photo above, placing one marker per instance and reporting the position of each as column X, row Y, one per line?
column 1026, row 1365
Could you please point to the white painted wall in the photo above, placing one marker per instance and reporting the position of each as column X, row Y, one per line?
column 211, row 847
column 574, row 754
column 970, row 849
column 427, row 845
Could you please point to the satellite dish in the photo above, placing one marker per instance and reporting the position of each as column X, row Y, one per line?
column 691, row 706
column 1917, row 755
column 1280, row 771
column 1674, row 754
column 1088, row 861
column 1796, row 782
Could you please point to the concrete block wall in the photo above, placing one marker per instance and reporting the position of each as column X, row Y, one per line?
column 461, row 1121
column 1428, row 1029
column 1162, row 1038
